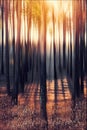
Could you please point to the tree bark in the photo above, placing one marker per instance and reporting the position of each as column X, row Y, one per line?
column 2, row 58
column 7, row 48
column 43, row 89
column 64, row 42
column 76, row 59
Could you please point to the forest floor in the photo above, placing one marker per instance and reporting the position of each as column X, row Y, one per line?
column 60, row 111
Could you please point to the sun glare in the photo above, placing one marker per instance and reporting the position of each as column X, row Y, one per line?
column 59, row 7
column 62, row 9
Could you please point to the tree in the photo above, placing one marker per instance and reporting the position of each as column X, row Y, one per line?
column 43, row 89
column 70, row 71
column 76, row 58
column 7, row 48
column 68, row 60
column 64, row 43
column 26, row 50
column 2, row 58
column 82, row 45
column 54, row 46
column 60, row 67
column 13, row 43
column 29, row 16
column 17, row 67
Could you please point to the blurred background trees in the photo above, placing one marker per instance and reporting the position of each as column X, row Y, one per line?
column 42, row 40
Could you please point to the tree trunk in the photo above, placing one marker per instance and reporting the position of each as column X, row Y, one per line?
column 2, row 58
column 43, row 89
column 17, row 67
column 64, row 43
column 70, row 67
column 60, row 66
column 68, row 60
column 13, row 45
column 76, row 59
column 7, row 48
column 81, row 65
column 54, row 47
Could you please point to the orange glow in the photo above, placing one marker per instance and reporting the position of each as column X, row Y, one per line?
column 61, row 8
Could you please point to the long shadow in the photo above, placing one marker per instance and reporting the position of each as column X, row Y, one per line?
column 35, row 95
column 70, row 86
column 27, row 91
column 63, row 86
column 55, row 91
column 55, row 114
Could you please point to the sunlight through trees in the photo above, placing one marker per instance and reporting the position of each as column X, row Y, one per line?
column 42, row 41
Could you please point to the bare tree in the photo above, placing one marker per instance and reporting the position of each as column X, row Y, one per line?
column 76, row 57
column 64, row 42
column 7, row 47
column 2, row 58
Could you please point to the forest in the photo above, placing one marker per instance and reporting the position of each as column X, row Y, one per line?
column 43, row 64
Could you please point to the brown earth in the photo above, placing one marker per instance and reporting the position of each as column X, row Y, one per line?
column 60, row 112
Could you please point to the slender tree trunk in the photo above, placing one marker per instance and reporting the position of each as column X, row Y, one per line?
column 17, row 73
column 54, row 46
column 2, row 58
column 82, row 46
column 22, row 68
column 26, row 62
column 29, row 38
column 29, row 14
column 13, row 45
column 26, row 52
column 7, row 48
column 50, row 68
column 76, row 59
column 86, row 43
column 43, row 89
column 86, row 64
column 60, row 66
column 64, row 42
column 81, row 65
column 70, row 71
column 68, row 61
column 38, row 50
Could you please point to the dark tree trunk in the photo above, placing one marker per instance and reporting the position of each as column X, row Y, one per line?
column 76, row 59
column 26, row 62
column 38, row 48
column 13, row 45
column 22, row 68
column 64, row 43
column 86, row 41
column 68, row 60
column 76, row 70
column 60, row 66
column 2, row 58
column 7, row 48
column 70, row 67
column 50, row 68
column 82, row 45
column 54, row 47
column 17, row 67
column 60, row 69
column 43, row 89
column 29, row 14
column 81, row 64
